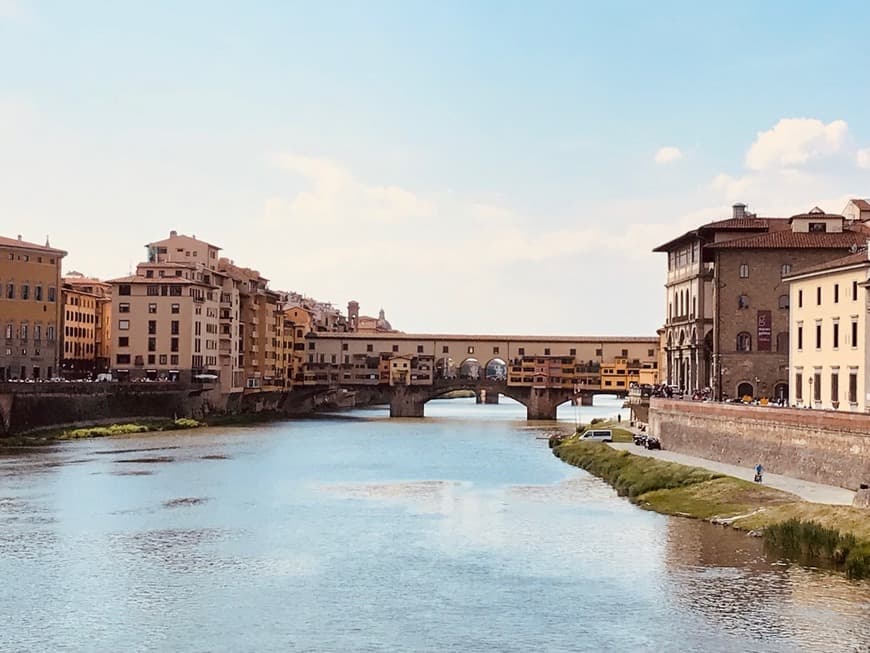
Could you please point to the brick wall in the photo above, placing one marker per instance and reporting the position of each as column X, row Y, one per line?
column 763, row 288
column 821, row 446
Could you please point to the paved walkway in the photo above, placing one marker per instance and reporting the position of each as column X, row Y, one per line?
column 815, row 492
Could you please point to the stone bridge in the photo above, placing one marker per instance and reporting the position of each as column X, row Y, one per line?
column 540, row 403
column 408, row 400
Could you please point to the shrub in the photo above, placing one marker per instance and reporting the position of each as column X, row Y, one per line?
column 810, row 541
column 186, row 423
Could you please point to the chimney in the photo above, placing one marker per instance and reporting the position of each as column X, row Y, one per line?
column 738, row 211
column 19, row 236
column 173, row 233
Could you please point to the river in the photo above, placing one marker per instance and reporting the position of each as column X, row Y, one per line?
column 458, row 532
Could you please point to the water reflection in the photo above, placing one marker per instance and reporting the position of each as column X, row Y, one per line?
column 724, row 577
column 456, row 533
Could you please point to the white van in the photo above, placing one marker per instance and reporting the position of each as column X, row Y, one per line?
column 601, row 435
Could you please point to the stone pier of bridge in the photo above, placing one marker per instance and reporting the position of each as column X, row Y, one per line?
column 540, row 403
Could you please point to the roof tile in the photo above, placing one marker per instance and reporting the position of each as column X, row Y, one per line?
column 794, row 240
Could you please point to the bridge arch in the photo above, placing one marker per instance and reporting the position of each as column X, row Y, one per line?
column 445, row 368
column 540, row 403
column 495, row 370
column 469, row 369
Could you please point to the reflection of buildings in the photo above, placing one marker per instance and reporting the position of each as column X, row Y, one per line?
column 727, row 304
column 727, row 578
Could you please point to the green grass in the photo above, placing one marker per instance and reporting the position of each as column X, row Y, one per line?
column 630, row 475
column 128, row 428
column 835, row 535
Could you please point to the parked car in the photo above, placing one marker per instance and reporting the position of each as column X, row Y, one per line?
column 600, row 435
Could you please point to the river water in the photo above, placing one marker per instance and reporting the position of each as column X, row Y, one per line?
column 459, row 532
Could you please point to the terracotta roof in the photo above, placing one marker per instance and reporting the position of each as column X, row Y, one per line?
column 158, row 281
column 864, row 205
column 178, row 237
column 15, row 242
column 816, row 213
column 85, row 280
column 665, row 247
column 339, row 335
column 752, row 223
column 794, row 240
column 844, row 261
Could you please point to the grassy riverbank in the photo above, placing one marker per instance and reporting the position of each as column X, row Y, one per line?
column 836, row 535
column 149, row 426
column 49, row 436
column 102, row 430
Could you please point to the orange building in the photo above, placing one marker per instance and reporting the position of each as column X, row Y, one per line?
column 86, row 331
column 30, row 309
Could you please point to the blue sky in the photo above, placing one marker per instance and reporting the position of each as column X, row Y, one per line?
column 470, row 166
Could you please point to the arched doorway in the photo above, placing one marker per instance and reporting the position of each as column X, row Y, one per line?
column 470, row 369
column 445, row 368
column 495, row 370
column 745, row 389
column 780, row 392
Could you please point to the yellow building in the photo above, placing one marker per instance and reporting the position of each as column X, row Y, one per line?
column 30, row 309
column 828, row 346
column 86, row 326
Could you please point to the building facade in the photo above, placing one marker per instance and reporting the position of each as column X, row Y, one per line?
column 727, row 325
column 828, row 364
column 521, row 361
column 30, row 309
column 165, row 318
column 86, row 330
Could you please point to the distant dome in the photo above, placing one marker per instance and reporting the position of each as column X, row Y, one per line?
column 382, row 323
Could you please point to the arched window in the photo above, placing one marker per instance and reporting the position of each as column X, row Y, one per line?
column 783, row 301
column 744, row 341
column 786, row 269
column 743, row 301
column 782, row 342
column 744, row 271
column 745, row 390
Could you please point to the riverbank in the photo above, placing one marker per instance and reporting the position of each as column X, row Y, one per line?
column 816, row 533
column 104, row 429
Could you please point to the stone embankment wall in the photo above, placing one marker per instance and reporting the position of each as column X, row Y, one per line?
column 30, row 407
column 821, row 446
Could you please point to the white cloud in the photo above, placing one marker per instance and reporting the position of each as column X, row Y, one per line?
column 794, row 141
column 436, row 255
column 862, row 158
column 336, row 195
column 13, row 10
column 668, row 154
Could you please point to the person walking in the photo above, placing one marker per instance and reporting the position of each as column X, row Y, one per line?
column 759, row 470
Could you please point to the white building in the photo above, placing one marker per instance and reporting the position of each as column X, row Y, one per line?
column 828, row 365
